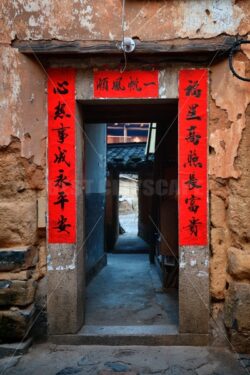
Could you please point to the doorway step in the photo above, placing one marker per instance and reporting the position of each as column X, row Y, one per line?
column 126, row 305
column 131, row 244
column 162, row 335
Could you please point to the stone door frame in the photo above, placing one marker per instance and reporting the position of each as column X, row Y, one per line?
column 66, row 279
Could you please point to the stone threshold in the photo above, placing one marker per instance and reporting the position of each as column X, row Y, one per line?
column 158, row 335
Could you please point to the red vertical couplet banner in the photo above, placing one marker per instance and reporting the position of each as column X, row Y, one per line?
column 61, row 156
column 193, row 100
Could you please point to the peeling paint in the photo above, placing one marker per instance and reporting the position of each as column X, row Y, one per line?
column 168, row 82
column 31, row 5
column 182, row 262
column 214, row 19
column 193, row 262
column 111, row 36
column 61, row 257
column 87, row 20
column 49, row 267
column 60, row 267
column 25, row 105
column 202, row 274
column 86, row 17
column 225, row 140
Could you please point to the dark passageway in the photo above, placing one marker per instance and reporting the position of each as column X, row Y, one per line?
column 131, row 294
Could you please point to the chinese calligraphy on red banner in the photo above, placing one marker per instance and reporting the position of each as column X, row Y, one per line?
column 193, row 157
column 61, row 156
column 129, row 84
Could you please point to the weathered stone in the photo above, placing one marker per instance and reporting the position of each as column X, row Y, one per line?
column 39, row 329
column 238, row 263
column 238, row 218
column 219, row 187
column 240, row 341
column 9, row 362
column 239, row 199
column 218, row 279
column 220, row 240
column 17, row 293
column 245, row 358
column 41, row 267
column 19, row 176
column 18, row 222
column 41, row 212
column 218, row 262
column 117, row 366
column 15, row 323
column 237, row 307
column 15, row 349
column 22, row 275
column 42, row 263
column 218, row 211
column 194, row 298
column 18, row 258
column 12, row 173
column 69, row 371
column 35, row 176
column 218, row 334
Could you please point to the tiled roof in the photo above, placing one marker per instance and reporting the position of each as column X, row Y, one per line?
column 124, row 156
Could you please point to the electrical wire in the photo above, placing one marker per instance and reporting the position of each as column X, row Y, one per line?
column 123, row 37
column 234, row 49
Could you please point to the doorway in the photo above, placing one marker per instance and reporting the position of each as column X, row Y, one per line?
column 68, row 258
column 126, row 260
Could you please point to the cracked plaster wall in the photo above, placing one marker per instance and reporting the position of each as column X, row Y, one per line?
column 88, row 19
column 23, row 103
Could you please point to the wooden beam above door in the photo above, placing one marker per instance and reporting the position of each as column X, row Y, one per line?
column 218, row 46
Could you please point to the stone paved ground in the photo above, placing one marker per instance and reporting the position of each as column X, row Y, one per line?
column 49, row 359
column 135, row 296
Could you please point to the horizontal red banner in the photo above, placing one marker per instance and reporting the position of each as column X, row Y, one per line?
column 129, row 84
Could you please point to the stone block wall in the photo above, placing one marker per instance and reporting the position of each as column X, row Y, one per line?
column 22, row 249
column 229, row 162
